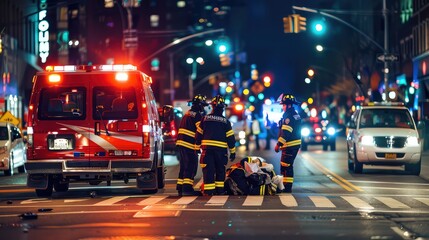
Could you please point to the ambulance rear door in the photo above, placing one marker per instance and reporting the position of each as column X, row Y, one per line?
column 61, row 130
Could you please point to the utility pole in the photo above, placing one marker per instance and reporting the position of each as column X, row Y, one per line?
column 386, row 50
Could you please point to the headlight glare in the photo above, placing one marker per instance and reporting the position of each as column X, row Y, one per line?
column 412, row 141
column 305, row 132
column 331, row 131
column 367, row 140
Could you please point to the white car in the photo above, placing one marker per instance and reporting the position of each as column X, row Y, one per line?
column 383, row 134
column 12, row 149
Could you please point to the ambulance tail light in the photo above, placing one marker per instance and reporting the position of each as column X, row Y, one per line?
column 54, row 78
column 146, row 141
column 30, row 133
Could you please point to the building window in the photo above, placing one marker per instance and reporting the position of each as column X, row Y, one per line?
column 181, row 4
column 154, row 20
column 109, row 3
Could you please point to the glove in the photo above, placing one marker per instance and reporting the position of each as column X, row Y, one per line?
column 232, row 157
column 277, row 148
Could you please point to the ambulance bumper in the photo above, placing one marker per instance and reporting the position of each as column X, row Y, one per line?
column 70, row 168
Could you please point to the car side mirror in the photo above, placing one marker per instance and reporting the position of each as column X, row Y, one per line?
column 351, row 125
column 166, row 113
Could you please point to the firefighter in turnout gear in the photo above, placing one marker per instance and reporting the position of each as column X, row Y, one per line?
column 289, row 140
column 187, row 150
column 215, row 136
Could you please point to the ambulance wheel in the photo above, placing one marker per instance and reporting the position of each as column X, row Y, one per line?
column 47, row 192
column 61, row 186
column 9, row 172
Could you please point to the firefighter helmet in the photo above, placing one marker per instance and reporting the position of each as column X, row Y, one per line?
column 286, row 98
column 218, row 101
column 199, row 100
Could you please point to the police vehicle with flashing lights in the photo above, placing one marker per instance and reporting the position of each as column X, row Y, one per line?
column 93, row 124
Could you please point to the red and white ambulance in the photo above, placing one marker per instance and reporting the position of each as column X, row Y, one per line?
column 93, row 124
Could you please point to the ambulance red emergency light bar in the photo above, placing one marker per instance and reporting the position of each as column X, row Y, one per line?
column 120, row 76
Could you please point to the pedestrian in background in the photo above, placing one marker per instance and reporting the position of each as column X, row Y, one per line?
column 289, row 140
column 215, row 136
column 187, row 150
column 255, row 129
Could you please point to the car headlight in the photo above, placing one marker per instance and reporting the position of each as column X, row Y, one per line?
column 412, row 142
column 367, row 140
column 331, row 131
column 242, row 134
column 305, row 132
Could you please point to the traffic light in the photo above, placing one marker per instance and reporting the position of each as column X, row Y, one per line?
column 154, row 64
column 318, row 27
column 310, row 72
column 225, row 60
column 300, row 23
column 254, row 72
column 223, row 46
column 287, row 23
column 267, row 81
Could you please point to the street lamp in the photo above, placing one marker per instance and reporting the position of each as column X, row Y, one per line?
column 193, row 76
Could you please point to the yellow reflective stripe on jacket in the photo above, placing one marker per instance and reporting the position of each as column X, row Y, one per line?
column 282, row 140
column 179, row 181
column 287, row 128
column 232, row 150
column 293, row 143
column 288, row 180
column 262, row 190
column 188, row 181
column 186, row 144
column 219, row 184
column 199, row 129
column 214, row 143
column 186, row 132
column 229, row 133
column 209, row 186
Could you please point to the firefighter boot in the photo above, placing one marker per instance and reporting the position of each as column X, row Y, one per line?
column 288, row 188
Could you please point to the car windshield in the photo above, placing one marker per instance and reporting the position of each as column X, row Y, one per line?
column 386, row 118
column 3, row 133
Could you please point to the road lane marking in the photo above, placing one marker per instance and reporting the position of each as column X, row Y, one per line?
column 288, row 200
column 321, row 202
column 423, row 200
column 392, row 203
column 357, row 202
column 110, row 201
column 74, row 200
column 160, row 211
column 331, row 175
column 217, row 201
column 17, row 190
column 151, row 200
column 36, row 200
column 95, row 225
column 253, row 201
column 185, row 200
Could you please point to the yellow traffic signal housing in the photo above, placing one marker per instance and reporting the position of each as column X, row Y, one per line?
column 288, row 24
column 225, row 60
column 299, row 22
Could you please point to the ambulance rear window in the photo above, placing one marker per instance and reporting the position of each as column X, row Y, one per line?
column 62, row 103
column 114, row 103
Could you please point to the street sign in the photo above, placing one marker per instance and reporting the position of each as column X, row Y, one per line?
column 387, row 57
column 8, row 117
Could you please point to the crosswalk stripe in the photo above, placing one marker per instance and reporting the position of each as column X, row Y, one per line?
column 322, row 202
column 151, row 200
column 110, row 201
column 253, row 201
column 423, row 200
column 288, row 200
column 185, row 200
column 217, row 201
column 357, row 203
column 392, row 203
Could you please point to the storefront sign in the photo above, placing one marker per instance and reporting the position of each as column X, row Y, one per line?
column 43, row 32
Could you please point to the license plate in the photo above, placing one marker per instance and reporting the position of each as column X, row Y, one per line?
column 61, row 143
column 119, row 153
column 390, row 156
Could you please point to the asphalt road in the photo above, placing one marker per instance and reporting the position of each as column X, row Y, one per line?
column 328, row 202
